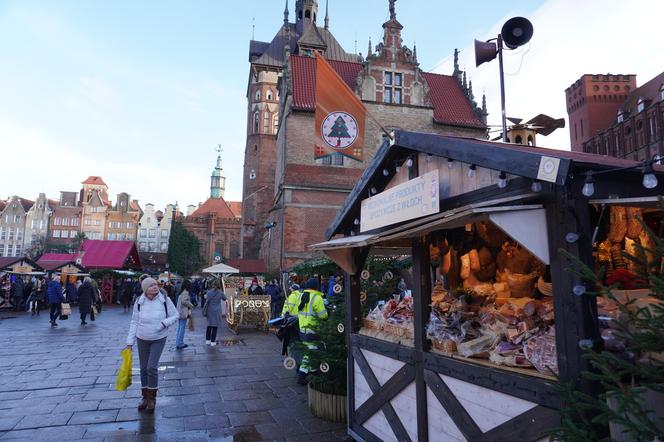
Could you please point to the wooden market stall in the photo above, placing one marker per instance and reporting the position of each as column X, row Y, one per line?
column 495, row 316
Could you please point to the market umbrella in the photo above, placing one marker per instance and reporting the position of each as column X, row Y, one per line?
column 220, row 268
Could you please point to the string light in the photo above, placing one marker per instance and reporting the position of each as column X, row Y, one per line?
column 471, row 170
column 649, row 178
column 450, row 163
column 409, row 162
column 356, row 221
column 373, row 190
column 386, row 172
column 588, row 185
column 502, row 180
column 571, row 237
column 536, row 186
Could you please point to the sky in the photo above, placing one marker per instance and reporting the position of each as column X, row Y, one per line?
column 142, row 92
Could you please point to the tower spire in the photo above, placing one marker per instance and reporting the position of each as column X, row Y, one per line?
column 369, row 51
column 327, row 17
column 217, row 179
column 286, row 13
column 393, row 14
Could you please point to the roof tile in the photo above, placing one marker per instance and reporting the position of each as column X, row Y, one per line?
column 94, row 180
column 215, row 205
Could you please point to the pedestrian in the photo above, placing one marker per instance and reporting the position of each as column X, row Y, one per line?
column 127, row 295
column 85, row 298
column 310, row 311
column 40, row 291
column 255, row 289
column 276, row 298
column 17, row 292
column 153, row 314
column 55, row 298
column 72, row 294
column 184, row 307
column 212, row 311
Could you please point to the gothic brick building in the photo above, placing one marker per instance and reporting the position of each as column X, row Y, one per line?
column 610, row 115
column 214, row 222
column 289, row 196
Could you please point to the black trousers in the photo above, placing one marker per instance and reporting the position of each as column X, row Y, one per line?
column 55, row 312
column 83, row 316
column 211, row 334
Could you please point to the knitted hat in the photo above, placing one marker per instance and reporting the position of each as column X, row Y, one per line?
column 312, row 284
column 147, row 282
column 254, row 281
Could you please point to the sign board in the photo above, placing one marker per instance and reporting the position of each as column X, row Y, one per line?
column 22, row 269
column 413, row 199
column 548, row 169
column 242, row 310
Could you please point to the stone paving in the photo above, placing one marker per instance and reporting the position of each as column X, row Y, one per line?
column 59, row 384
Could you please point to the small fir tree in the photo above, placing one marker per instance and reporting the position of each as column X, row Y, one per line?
column 339, row 130
column 184, row 256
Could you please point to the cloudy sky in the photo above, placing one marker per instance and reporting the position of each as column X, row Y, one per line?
column 141, row 93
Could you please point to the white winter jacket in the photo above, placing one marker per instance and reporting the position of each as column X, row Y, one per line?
column 150, row 321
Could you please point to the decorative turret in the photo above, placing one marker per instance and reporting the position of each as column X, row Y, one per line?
column 286, row 14
column 306, row 12
column 327, row 16
column 457, row 72
column 217, row 179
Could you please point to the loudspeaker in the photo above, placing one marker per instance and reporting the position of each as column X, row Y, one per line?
column 516, row 32
column 484, row 51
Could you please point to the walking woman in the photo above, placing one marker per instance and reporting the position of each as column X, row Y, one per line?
column 55, row 298
column 212, row 311
column 153, row 314
column 85, row 295
column 184, row 309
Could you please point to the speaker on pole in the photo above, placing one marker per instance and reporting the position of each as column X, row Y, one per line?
column 517, row 31
column 484, row 51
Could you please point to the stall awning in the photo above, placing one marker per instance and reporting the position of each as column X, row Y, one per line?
column 220, row 268
column 525, row 223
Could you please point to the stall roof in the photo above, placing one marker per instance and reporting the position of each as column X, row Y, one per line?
column 513, row 159
column 8, row 261
column 52, row 261
column 103, row 254
column 220, row 268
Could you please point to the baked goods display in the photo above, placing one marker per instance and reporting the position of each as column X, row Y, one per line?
column 391, row 321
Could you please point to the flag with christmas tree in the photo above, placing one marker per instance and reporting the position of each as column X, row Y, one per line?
column 340, row 115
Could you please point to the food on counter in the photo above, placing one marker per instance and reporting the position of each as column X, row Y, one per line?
column 540, row 350
column 634, row 219
column 618, row 227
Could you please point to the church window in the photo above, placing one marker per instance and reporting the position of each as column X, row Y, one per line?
column 387, row 95
column 275, row 123
column 335, row 159
column 256, row 122
column 269, row 95
column 307, row 14
column 258, row 95
column 640, row 105
column 266, row 122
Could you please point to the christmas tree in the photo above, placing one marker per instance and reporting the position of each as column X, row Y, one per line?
column 339, row 130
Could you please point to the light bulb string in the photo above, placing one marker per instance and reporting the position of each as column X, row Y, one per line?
column 646, row 165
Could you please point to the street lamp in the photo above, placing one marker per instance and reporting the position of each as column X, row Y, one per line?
column 269, row 227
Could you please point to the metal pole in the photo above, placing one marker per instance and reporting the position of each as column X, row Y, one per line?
column 269, row 246
column 502, row 86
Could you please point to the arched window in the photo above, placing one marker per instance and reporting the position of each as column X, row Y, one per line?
column 518, row 139
column 256, row 122
column 269, row 94
column 275, row 123
column 266, row 122
column 307, row 14
column 530, row 140
column 258, row 95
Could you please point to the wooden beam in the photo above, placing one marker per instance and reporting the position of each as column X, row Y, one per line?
column 451, row 404
column 392, row 418
column 400, row 380
column 421, row 301
column 384, row 348
column 528, row 426
column 525, row 387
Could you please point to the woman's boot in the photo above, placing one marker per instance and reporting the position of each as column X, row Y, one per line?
column 152, row 400
column 144, row 401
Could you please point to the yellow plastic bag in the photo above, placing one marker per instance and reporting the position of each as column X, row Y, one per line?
column 124, row 375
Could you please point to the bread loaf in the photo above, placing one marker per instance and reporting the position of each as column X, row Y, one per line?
column 465, row 266
column 474, row 257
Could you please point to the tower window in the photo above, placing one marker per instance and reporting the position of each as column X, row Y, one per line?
column 258, row 96
column 307, row 14
column 275, row 123
column 269, row 95
column 266, row 122
column 256, row 122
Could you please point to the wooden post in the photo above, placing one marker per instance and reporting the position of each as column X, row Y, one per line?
column 421, row 301
column 353, row 310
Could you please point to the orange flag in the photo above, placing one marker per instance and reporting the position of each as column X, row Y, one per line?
column 340, row 115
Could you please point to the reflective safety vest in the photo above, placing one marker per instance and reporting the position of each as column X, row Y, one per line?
column 313, row 311
column 291, row 304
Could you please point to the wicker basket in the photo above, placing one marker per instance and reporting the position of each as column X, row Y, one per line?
column 371, row 324
column 446, row 347
column 394, row 330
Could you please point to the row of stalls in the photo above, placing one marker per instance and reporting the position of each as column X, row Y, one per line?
column 496, row 316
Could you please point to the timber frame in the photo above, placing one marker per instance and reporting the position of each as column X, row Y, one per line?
column 437, row 380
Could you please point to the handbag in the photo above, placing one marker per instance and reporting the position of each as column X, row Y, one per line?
column 93, row 313
column 190, row 322
column 65, row 309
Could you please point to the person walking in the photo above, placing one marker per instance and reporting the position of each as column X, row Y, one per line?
column 127, row 295
column 153, row 314
column 17, row 292
column 310, row 312
column 55, row 298
column 212, row 311
column 85, row 298
column 184, row 307
column 276, row 298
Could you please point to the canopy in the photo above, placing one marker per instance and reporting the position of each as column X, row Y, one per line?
column 220, row 268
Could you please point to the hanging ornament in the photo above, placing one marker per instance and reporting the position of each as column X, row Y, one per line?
column 337, row 288
column 324, row 367
column 365, row 275
column 289, row 363
column 340, row 328
column 363, row 296
column 388, row 276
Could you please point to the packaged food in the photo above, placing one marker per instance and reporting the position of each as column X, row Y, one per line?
column 540, row 350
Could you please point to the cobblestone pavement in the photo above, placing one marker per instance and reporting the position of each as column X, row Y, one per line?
column 59, row 384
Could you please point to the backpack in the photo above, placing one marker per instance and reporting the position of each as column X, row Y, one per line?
column 165, row 308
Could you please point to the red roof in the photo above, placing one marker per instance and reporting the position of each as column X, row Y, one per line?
column 248, row 265
column 103, row 254
column 236, row 207
column 9, row 260
column 96, row 180
column 27, row 204
column 3, row 204
column 51, row 261
column 450, row 104
column 215, row 205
